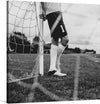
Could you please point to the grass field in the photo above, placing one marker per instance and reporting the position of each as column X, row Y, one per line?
column 63, row 87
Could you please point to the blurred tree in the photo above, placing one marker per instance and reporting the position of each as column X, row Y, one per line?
column 19, row 43
column 77, row 50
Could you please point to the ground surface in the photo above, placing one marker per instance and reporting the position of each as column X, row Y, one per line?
column 88, row 87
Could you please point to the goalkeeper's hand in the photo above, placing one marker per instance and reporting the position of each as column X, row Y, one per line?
column 42, row 16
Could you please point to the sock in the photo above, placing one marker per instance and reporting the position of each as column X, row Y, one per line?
column 60, row 50
column 53, row 57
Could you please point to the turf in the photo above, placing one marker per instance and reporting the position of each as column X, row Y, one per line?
column 63, row 87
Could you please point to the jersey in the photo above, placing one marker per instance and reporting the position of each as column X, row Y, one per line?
column 52, row 7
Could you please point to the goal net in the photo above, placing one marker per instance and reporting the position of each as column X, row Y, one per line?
column 24, row 40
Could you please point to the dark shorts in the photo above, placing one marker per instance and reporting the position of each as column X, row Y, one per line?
column 60, row 30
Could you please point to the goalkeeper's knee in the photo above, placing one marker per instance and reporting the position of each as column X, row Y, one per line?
column 64, row 40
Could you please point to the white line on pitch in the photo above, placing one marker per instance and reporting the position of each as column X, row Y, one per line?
column 76, row 78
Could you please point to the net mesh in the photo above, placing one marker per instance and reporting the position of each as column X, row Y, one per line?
column 23, row 37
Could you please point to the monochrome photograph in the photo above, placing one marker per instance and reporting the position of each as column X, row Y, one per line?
column 53, row 51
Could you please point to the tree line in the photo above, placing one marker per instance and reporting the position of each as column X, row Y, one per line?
column 18, row 43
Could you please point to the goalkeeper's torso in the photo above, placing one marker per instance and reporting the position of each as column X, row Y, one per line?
column 52, row 7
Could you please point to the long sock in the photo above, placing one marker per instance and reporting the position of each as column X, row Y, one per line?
column 53, row 57
column 60, row 50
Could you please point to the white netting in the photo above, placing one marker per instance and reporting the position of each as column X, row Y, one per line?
column 22, row 25
column 23, row 37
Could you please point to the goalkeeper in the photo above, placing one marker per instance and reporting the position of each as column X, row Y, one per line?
column 52, row 12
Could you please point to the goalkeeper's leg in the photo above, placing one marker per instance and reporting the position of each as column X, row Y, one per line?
column 61, row 47
column 53, row 58
column 59, row 32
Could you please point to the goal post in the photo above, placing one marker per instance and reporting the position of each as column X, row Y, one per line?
column 41, row 49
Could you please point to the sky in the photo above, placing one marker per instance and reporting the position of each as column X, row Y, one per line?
column 83, row 25
column 82, row 22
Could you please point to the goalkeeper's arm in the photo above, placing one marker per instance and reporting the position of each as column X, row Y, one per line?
column 43, row 15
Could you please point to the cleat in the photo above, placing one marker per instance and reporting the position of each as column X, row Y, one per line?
column 51, row 72
column 57, row 73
